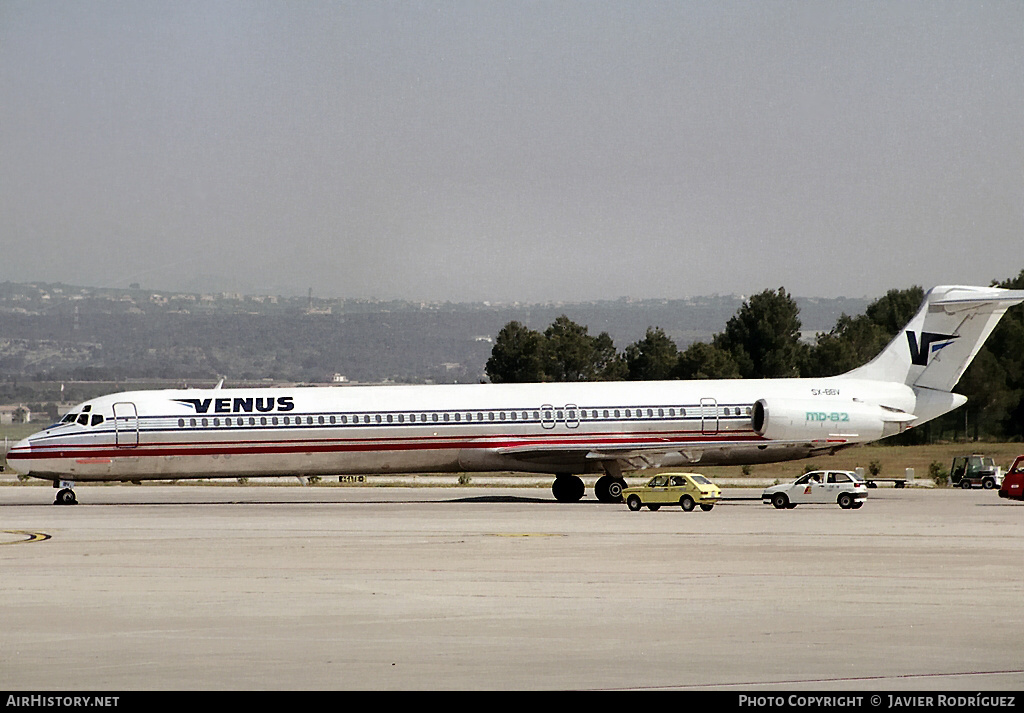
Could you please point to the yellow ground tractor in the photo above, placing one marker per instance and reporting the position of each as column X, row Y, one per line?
column 683, row 489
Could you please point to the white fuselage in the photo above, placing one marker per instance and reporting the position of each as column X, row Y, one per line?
column 552, row 428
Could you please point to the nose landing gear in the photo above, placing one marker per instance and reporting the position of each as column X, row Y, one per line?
column 66, row 496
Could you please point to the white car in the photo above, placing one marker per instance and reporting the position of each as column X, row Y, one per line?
column 842, row 487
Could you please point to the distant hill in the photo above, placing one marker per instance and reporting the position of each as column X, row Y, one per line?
column 64, row 332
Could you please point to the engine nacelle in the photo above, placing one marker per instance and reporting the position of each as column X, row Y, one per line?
column 823, row 420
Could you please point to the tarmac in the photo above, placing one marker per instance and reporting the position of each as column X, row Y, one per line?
column 229, row 587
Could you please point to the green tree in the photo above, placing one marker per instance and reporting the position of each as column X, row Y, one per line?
column 764, row 336
column 608, row 363
column 857, row 340
column 516, row 355
column 852, row 342
column 705, row 361
column 895, row 309
column 652, row 358
column 570, row 354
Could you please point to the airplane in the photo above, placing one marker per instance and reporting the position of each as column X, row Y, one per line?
column 565, row 429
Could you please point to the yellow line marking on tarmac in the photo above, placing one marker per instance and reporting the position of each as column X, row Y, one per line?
column 29, row 536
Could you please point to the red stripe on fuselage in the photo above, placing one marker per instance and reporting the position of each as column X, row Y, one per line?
column 349, row 445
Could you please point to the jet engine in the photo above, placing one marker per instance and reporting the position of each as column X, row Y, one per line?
column 819, row 419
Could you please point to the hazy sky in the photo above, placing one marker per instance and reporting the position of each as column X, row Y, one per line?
column 512, row 150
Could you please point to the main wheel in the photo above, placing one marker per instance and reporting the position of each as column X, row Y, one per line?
column 567, row 488
column 780, row 501
column 634, row 504
column 615, row 489
column 686, row 502
column 608, row 489
column 845, row 501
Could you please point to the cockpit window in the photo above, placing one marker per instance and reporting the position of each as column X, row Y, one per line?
column 96, row 419
column 84, row 419
column 69, row 418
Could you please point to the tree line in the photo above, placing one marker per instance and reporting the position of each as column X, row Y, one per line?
column 762, row 340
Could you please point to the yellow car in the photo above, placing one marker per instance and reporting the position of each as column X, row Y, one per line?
column 684, row 489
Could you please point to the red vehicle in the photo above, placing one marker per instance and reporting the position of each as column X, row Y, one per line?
column 1013, row 481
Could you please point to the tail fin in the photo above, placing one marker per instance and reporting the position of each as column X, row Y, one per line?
column 936, row 347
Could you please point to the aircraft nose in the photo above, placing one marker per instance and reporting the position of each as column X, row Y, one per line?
column 15, row 453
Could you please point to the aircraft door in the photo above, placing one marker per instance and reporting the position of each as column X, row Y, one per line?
column 572, row 416
column 126, row 425
column 547, row 416
column 708, row 416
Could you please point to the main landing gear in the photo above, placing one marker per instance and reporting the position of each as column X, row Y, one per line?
column 608, row 488
column 66, row 496
column 569, row 488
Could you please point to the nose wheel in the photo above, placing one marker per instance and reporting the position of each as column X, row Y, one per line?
column 66, row 497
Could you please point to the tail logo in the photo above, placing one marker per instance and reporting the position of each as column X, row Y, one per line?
column 930, row 343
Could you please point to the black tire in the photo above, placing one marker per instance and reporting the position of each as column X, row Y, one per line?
column 845, row 501
column 780, row 501
column 66, row 497
column 633, row 503
column 965, row 484
column 988, row 483
column 653, row 508
column 567, row 488
column 858, row 504
column 609, row 489
column 615, row 489
column 706, row 507
column 686, row 503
